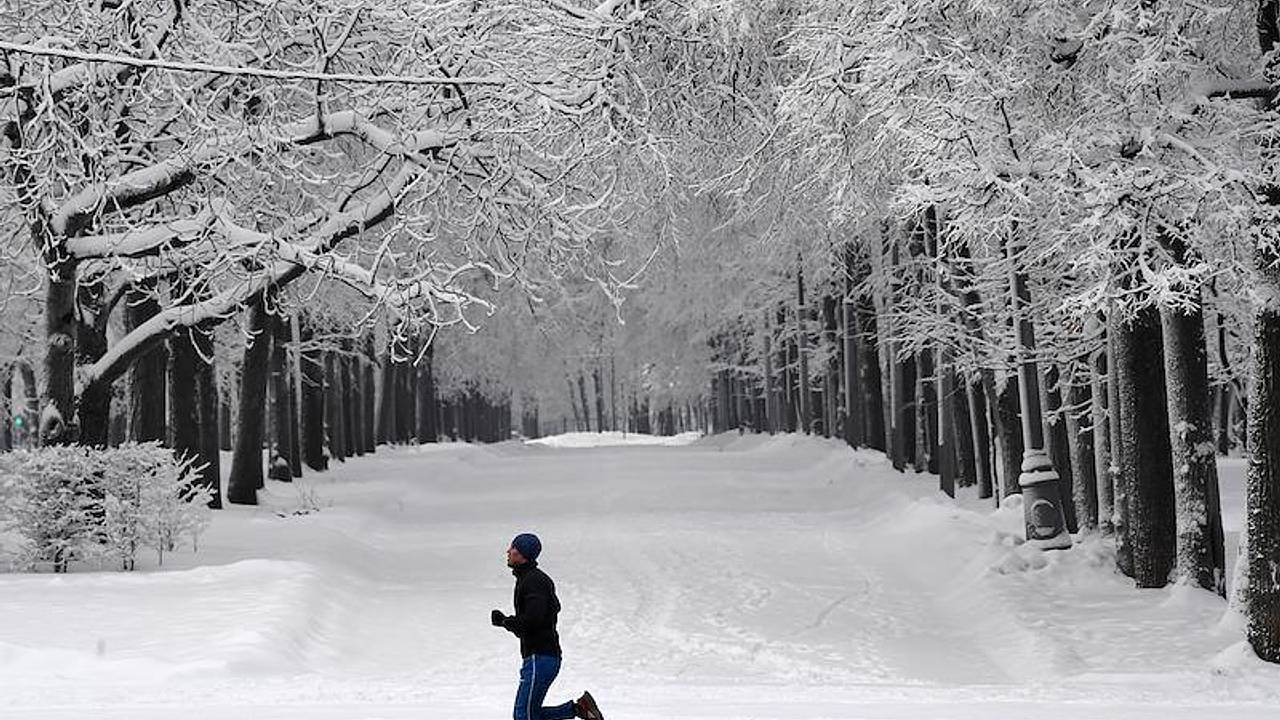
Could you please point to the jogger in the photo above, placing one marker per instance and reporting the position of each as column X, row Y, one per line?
column 537, row 609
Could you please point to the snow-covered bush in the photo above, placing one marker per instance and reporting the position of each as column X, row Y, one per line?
column 49, row 503
column 74, row 503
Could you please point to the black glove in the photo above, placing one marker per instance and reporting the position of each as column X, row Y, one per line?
column 497, row 618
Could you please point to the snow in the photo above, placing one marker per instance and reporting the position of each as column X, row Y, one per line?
column 724, row 577
column 608, row 439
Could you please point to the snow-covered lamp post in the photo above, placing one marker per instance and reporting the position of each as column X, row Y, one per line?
column 1041, row 492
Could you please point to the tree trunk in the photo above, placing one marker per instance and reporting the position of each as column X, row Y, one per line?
column 387, row 401
column 1262, row 485
column 1059, row 444
column 1262, row 595
column 613, row 395
column 770, row 384
column 946, row 465
column 926, row 417
column 804, row 395
column 586, row 409
column 786, row 352
column 347, row 376
column 57, row 397
column 294, row 378
column 333, row 426
column 426, row 398
column 1102, row 440
column 1119, row 490
column 278, row 464
column 6, row 387
column 246, row 459
column 573, row 404
column 224, row 424
column 94, row 404
column 370, row 396
column 870, row 377
column 979, row 432
column 599, row 386
column 1011, row 447
column 905, row 413
column 831, row 380
column 313, row 398
column 1079, row 432
column 1146, row 471
column 956, row 401
column 146, row 378
column 206, row 384
column 855, row 405
column 1201, row 555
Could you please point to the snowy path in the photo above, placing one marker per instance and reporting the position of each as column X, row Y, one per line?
column 730, row 578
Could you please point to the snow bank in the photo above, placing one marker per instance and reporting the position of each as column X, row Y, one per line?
column 611, row 438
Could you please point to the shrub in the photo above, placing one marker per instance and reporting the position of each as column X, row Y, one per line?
column 75, row 503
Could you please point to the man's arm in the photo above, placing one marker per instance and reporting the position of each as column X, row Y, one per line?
column 534, row 614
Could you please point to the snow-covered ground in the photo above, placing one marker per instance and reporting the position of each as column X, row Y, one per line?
column 606, row 439
column 732, row 577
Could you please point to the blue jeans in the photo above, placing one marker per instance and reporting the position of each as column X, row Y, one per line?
column 536, row 675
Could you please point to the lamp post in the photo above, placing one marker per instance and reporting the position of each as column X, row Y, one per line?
column 1041, row 490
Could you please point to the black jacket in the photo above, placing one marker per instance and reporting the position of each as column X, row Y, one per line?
column 537, row 608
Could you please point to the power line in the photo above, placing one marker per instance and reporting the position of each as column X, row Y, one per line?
column 195, row 67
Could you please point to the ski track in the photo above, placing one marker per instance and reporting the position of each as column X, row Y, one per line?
column 733, row 577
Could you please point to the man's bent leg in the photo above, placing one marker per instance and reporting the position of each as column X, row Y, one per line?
column 536, row 675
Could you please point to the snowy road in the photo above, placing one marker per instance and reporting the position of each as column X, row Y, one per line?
column 731, row 578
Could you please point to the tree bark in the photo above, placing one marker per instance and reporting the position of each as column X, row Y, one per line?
column 1120, row 489
column 599, row 386
column 980, row 433
column 295, row 397
column 350, row 413
column 426, row 398
column 93, row 408
column 770, row 384
column 1262, row 607
column 1059, row 444
column 370, row 395
column 224, row 424
column 1079, row 435
column 804, row 393
column 1011, row 447
column 586, row 409
column 313, row 453
column 1146, row 471
column 387, row 401
column 870, row 377
column 946, row 464
column 280, row 465
column 57, row 397
column 206, row 385
column 184, row 403
column 6, row 427
column 146, row 377
column 1201, row 556
column 1262, row 485
column 246, row 459
column 956, row 401
column 1101, row 409
column 333, row 406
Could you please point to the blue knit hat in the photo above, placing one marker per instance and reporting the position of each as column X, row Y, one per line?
column 528, row 545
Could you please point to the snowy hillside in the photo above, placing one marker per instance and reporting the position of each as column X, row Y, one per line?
column 733, row 577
